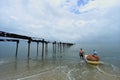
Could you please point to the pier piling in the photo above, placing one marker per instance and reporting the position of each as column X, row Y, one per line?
column 17, row 48
column 42, row 47
column 29, row 48
column 37, row 47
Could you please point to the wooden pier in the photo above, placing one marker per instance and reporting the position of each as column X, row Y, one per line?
column 16, row 38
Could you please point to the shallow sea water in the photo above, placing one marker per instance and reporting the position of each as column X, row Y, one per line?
column 60, row 65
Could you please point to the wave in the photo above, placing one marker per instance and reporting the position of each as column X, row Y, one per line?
column 76, row 72
column 106, row 73
column 2, row 62
column 35, row 75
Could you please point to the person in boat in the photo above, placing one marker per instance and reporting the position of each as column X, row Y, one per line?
column 81, row 53
column 93, row 57
column 94, row 52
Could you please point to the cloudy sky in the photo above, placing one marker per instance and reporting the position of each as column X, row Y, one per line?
column 63, row 20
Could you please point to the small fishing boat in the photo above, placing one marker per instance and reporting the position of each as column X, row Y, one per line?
column 92, row 59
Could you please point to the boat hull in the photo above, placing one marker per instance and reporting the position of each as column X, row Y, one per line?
column 91, row 62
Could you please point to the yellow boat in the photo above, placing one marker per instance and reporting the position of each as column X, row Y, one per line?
column 92, row 62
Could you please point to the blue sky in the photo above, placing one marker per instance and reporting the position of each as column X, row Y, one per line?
column 62, row 20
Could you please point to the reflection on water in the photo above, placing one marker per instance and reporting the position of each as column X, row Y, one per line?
column 60, row 65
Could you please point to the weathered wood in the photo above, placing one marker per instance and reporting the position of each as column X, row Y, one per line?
column 17, row 48
column 37, row 47
column 42, row 47
column 12, row 35
column 60, row 47
column 9, row 40
column 46, row 47
column 29, row 48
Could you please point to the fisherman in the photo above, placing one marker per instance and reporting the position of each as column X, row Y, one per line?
column 95, row 56
column 94, row 52
column 81, row 53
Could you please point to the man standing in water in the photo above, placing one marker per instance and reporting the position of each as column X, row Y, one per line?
column 81, row 53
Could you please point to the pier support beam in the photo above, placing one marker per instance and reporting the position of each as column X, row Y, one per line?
column 54, row 47
column 17, row 48
column 46, row 47
column 29, row 48
column 42, row 47
column 37, row 47
column 60, row 47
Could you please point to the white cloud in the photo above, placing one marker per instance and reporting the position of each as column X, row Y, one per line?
column 14, row 18
column 106, row 3
column 55, row 3
column 53, row 18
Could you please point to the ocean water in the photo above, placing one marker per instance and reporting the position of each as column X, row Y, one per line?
column 64, row 64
